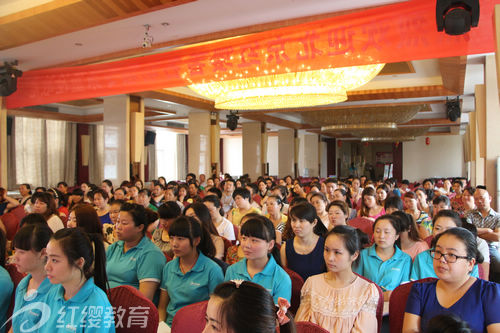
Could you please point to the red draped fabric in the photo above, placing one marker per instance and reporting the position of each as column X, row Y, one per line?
column 399, row 32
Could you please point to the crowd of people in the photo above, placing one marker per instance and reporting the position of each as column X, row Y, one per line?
column 234, row 242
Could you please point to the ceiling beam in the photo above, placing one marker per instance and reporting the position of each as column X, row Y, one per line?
column 91, row 118
column 160, row 111
column 173, row 97
column 274, row 120
column 167, row 118
column 453, row 73
column 173, row 129
column 433, row 122
column 397, row 93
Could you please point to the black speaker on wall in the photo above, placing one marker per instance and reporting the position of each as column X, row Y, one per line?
column 8, row 78
column 149, row 138
column 9, row 126
column 456, row 17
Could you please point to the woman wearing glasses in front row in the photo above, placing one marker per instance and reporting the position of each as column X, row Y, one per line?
column 474, row 300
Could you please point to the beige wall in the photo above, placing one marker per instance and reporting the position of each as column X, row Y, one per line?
column 199, row 147
column 442, row 158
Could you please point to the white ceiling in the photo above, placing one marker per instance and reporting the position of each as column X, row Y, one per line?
column 188, row 20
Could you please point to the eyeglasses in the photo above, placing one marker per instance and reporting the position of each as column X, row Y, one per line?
column 448, row 257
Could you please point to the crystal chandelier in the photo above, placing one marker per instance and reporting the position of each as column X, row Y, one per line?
column 309, row 88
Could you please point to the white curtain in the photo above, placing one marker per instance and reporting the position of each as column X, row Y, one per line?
column 45, row 151
column 96, row 154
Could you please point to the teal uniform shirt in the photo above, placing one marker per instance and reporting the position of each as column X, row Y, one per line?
column 6, row 288
column 194, row 286
column 273, row 278
column 423, row 267
column 88, row 311
column 143, row 262
column 387, row 274
column 27, row 319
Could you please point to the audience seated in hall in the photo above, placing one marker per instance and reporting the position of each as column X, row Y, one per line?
column 196, row 224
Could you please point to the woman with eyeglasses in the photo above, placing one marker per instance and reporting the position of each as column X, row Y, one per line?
column 423, row 265
column 456, row 292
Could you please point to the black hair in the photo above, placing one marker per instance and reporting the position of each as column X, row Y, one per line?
column 87, row 219
column 254, row 187
column 468, row 239
column 78, row 192
column 242, row 192
column 47, row 199
column 40, row 189
column 405, row 181
column 192, row 175
column 76, row 244
column 160, row 185
column 63, row 184
column 203, row 215
column 120, row 202
column 188, row 227
column 59, row 196
column 441, row 199
column 28, row 187
column 109, row 183
column 331, row 180
column 428, row 180
column 347, row 196
column 248, row 307
column 320, row 195
column 32, row 219
column 213, row 199
column 32, row 237
column 297, row 201
column 164, row 180
column 100, row 191
column 394, row 220
column 351, row 238
column 138, row 214
column 306, row 211
column 261, row 227
column 341, row 204
column 450, row 214
column 393, row 201
column 214, row 190
column 447, row 323
column 278, row 199
column 169, row 210
column 145, row 191
column 407, row 224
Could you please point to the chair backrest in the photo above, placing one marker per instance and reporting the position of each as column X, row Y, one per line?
column 190, row 318
column 133, row 311
column 227, row 245
column 308, row 327
column 397, row 304
column 297, row 283
column 12, row 219
column 380, row 304
column 16, row 277
column 364, row 224
column 428, row 240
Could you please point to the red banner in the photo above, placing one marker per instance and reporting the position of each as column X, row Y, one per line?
column 399, row 32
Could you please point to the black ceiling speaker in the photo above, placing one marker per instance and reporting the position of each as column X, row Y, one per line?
column 456, row 17
column 8, row 78
column 453, row 109
column 232, row 121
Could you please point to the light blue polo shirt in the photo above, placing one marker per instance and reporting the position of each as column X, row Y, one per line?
column 28, row 319
column 6, row 288
column 194, row 286
column 144, row 262
column 423, row 267
column 273, row 278
column 88, row 311
column 387, row 274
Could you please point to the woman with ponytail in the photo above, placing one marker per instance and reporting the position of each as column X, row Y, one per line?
column 192, row 275
column 77, row 265
column 244, row 307
column 30, row 257
column 262, row 263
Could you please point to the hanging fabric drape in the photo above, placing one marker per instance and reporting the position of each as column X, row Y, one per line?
column 399, row 32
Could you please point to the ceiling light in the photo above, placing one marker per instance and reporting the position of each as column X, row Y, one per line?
column 318, row 87
column 360, row 126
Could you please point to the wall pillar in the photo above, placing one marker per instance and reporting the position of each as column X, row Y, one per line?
column 491, row 123
column 286, row 152
column 199, row 143
column 308, row 162
column 117, row 138
column 215, row 145
column 252, row 149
